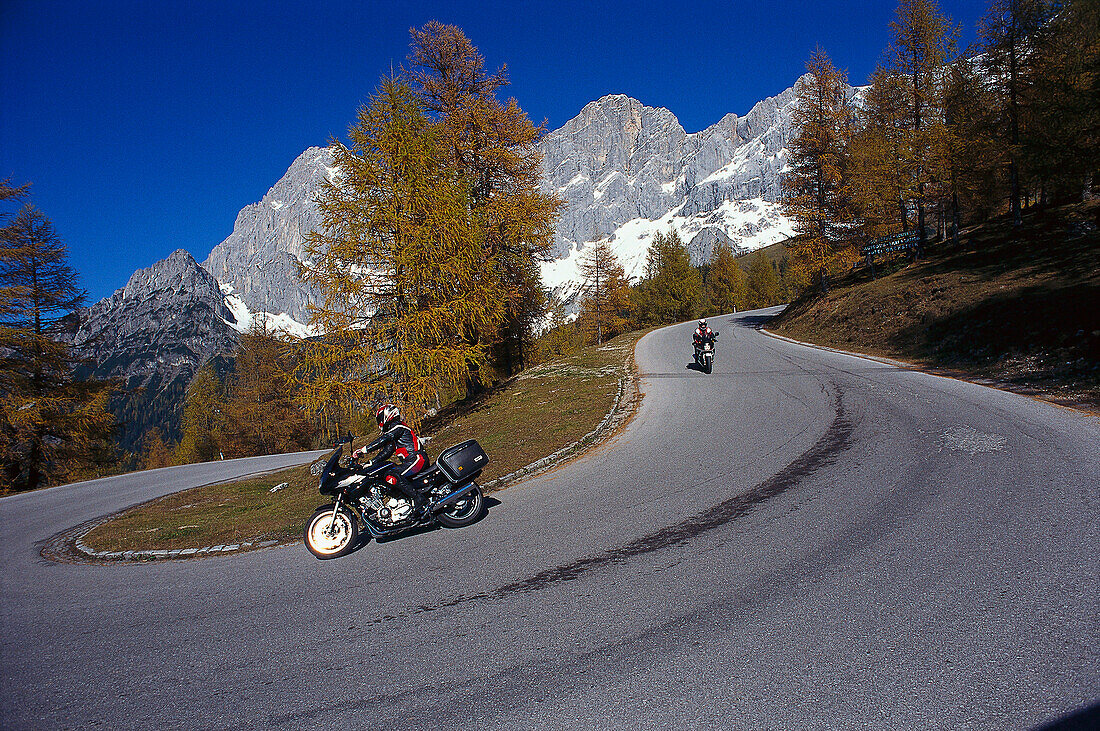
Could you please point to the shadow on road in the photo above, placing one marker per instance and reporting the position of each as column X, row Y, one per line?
column 755, row 321
column 365, row 536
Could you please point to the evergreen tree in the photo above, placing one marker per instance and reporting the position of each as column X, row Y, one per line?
column 672, row 289
column 923, row 40
column 763, row 283
column 727, row 288
column 816, row 183
column 605, row 295
column 51, row 426
column 493, row 145
column 402, row 265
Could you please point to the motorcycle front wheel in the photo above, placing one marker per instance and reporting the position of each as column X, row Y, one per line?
column 465, row 511
column 328, row 536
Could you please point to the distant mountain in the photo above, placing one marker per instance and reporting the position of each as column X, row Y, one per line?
column 152, row 336
column 625, row 171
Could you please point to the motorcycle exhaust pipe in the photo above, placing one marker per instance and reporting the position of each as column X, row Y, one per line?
column 454, row 496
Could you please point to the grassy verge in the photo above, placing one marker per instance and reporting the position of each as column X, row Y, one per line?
column 532, row 416
column 1020, row 307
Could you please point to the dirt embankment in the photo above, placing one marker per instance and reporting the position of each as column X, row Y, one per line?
column 1020, row 307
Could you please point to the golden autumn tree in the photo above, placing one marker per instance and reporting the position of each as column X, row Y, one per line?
column 923, row 39
column 402, row 263
column 817, row 181
column 1007, row 32
column 52, row 427
column 493, row 145
column 605, row 294
column 880, row 158
column 200, row 427
column 260, row 414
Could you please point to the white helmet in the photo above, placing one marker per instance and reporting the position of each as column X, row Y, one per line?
column 386, row 415
column 703, row 324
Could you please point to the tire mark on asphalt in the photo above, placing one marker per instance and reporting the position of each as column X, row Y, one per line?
column 836, row 439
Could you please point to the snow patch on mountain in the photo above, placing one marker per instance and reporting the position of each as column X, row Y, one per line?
column 746, row 225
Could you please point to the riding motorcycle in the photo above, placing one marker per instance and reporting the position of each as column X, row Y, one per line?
column 454, row 499
column 704, row 355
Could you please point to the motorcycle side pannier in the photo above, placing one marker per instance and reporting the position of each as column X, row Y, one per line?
column 463, row 461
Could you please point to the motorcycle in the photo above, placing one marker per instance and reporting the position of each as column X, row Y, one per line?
column 454, row 499
column 704, row 355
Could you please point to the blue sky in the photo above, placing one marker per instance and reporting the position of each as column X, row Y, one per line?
column 146, row 126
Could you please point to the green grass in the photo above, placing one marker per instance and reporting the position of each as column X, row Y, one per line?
column 531, row 416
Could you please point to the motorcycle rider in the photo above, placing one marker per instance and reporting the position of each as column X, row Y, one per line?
column 397, row 439
column 702, row 335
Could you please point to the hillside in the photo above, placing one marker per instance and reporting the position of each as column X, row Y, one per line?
column 1020, row 308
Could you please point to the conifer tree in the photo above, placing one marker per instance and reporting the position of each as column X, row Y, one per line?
column 493, row 145
column 200, row 427
column 155, row 453
column 880, row 157
column 727, row 288
column 763, row 283
column 402, row 265
column 605, row 295
column 1062, row 144
column 672, row 289
column 51, row 426
column 923, row 40
column 817, row 182
column 260, row 415
column 1007, row 33
column 972, row 157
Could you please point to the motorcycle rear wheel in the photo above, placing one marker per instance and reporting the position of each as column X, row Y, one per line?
column 464, row 512
column 328, row 537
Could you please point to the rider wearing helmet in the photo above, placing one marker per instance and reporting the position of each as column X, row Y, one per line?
column 398, row 439
column 703, row 334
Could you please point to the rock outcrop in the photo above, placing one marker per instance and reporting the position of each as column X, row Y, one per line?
column 258, row 261
column 152, row 336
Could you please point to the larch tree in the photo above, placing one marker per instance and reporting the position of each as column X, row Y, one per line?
column 605, row 294
column 200, row 427
column 1063, row 139
column 51, row 426
column 923, row 40
column 817, row 181
column 1007, row 33
column 261, row 415
column 763, row 283
column 880, row 158
column 972, row 159
column 402, row 263
column 493, row 145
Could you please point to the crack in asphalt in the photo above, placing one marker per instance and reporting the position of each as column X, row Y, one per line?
column 836, row 439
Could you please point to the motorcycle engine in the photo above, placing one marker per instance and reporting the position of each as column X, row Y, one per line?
column 386, row 508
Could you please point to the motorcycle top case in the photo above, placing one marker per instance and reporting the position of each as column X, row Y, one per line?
column 462, row 461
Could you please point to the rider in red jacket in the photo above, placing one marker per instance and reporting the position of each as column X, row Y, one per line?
column 703, row 334
column 398, row 439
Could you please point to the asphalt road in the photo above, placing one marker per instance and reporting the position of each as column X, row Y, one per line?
column 802, row 539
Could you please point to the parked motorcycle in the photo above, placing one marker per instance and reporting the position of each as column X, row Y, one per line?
column 454, row 499
column 704, row 356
